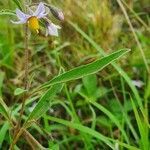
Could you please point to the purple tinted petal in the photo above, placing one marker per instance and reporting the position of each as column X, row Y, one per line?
column 40, row 11
column 21, row 15
column 42, row 15
column 53, row 29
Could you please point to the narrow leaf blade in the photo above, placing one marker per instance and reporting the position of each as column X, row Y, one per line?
column 19, row 91
column 44, row 103
column 118, row 68
column 4, row 110
column 18, row 3
column 88, row 69
column 91, row 132
column 3, row 132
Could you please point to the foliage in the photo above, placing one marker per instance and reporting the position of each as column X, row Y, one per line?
column 89, row 88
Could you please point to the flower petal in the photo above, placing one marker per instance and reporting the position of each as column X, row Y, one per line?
column 40, row 11
column 138, row 83
column 53, row 29
column 21, row 16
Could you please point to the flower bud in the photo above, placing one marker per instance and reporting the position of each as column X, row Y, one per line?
column 57, row 13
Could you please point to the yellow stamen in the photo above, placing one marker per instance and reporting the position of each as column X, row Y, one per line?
column 33, row 23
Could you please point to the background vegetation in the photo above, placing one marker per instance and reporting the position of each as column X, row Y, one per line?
column 106, row 110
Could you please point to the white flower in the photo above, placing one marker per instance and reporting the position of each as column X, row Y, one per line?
column 33, row 19
column 24, row 18
column 52, row 29
column 138, row 83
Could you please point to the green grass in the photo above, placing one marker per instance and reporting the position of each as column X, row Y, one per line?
column 81, row 93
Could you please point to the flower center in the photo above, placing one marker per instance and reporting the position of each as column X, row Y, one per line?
column 33, row 23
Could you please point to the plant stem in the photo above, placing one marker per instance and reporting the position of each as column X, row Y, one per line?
column 35, row 145
column 26, row 87
column 15, row 139
column 26, row 69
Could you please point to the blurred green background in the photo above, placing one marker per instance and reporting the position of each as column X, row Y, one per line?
column 103, row 22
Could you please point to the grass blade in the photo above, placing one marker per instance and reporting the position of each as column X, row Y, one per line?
column 82, row 129
column 1, row 81
column 112, row 118
column 142, row 128
column 18, row 3
column 91, row 132
column 3, row 132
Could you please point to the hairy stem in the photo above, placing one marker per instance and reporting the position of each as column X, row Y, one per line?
column 26, row 70
column 17, row 129
column 15, row 139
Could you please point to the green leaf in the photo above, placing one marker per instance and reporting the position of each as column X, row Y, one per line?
column 3, row 132
column 91, row 132
column 118, row 68
column 90, row 84
column 112, row 118
column 19, row 91
column 44, row 103
column 4, row 110
column 85, row 70
column 18, row 3
column 142, row 128
column 1, row 81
